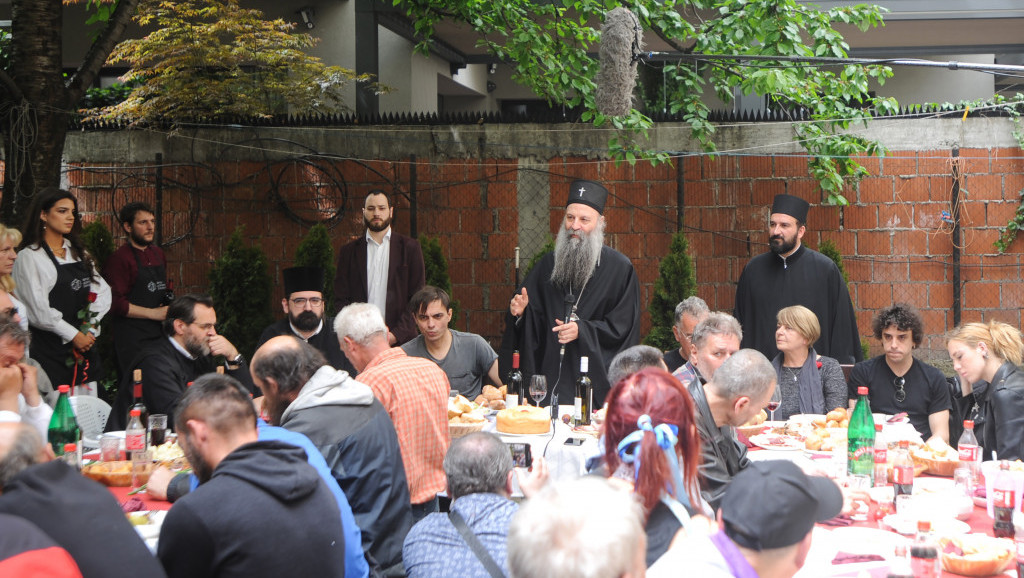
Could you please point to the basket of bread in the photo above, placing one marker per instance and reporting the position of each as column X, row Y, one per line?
column 755, row 425
column 976, row 554
column 116, row 474
column 937, row 457
column 464, row 416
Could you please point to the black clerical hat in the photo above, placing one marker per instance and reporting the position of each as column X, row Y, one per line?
column 303, row 279
column 793, row 206
column 587, row 193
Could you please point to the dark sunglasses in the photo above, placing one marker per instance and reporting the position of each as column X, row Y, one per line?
column 901, row 394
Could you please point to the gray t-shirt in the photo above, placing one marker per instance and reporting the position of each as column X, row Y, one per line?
column 468, row 360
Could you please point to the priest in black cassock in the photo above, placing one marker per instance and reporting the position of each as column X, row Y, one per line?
column 304, row 306
column 595, row 283
column 792, row 274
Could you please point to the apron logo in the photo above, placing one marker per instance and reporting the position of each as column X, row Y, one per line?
column 76, row 284
column 154, row 286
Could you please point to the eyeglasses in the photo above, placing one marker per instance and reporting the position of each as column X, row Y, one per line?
column 301, row 301
column 10, row 311
column 901, row 394
column 204, row 326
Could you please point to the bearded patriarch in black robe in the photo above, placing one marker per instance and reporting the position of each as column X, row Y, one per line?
column 770, row 282
column 609, row 321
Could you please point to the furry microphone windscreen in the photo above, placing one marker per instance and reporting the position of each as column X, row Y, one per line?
column 621, row 38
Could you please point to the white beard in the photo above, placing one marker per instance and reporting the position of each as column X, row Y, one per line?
column 576, row 259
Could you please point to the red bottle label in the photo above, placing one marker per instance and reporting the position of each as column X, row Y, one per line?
column 903, row 475
column 135, row 442
column 968, row 453
column 881, row 455
column 1002, row 498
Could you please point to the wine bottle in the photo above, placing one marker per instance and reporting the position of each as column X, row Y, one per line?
column 137, row 402
column 63, row 427
column 584, row 394
column 514, row 394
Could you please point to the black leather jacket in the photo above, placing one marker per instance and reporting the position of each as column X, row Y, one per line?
column 1001, row 407
column 722, row 455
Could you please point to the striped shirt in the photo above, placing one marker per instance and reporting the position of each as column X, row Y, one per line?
column 415, row 393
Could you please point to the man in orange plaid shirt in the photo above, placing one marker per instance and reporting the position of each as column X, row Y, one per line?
column 412, row 389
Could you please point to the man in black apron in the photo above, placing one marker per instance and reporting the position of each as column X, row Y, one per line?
column 137, row 273
column 70, row 294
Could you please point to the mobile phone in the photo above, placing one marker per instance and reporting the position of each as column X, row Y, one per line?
column 522, row 455
column 571, row 441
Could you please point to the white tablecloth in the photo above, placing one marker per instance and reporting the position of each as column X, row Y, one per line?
column 564, row 461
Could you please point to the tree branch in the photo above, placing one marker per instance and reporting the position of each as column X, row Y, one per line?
column 100, row 50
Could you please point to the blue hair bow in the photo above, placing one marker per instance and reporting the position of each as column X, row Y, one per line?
column 666, row 435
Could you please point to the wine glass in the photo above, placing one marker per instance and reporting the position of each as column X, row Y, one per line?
column 538, row 388
column 775, row 401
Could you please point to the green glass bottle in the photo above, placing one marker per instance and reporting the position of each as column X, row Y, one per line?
column 860, row 438
column 63, row 425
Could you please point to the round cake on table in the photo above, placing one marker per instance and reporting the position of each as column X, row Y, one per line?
column 524, row 419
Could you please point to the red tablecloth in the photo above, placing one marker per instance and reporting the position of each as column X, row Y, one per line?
column 979, row 521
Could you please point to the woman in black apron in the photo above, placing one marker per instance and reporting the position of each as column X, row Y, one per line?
column 55, row 277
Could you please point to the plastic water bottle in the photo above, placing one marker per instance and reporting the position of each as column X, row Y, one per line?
column 881, row 457
column 969, row 450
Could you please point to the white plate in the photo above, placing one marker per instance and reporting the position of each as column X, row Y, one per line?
column 522, row 435
column 150, row 533
column 940, row 527
column 882, row 494
column 788, row 443
column 933, row 485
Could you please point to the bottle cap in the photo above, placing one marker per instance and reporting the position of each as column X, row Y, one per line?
column 904, row 444
column 136, row 412
column 862, row 390
column 137, row 375
column 878, row 427
column 584, row 364
column 924, row 525
column 64, row 388
column 969, row 424
column 68, row 448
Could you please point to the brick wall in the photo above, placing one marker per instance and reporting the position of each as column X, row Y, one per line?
column 892, row 237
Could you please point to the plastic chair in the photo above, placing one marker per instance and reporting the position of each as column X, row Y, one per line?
column 91, row 413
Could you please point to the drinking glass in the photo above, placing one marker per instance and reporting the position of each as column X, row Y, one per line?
column 860, row 483
column 775, row 401
column 963, row 481
column 538, row 388
column 157, row 429
column 110, row 448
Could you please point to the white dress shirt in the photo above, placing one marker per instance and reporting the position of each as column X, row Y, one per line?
column 35, row 276
column 378, row 256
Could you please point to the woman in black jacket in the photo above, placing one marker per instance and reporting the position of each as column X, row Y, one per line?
column 987, row 358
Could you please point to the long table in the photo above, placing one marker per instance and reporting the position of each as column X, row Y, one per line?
column 828, row 540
